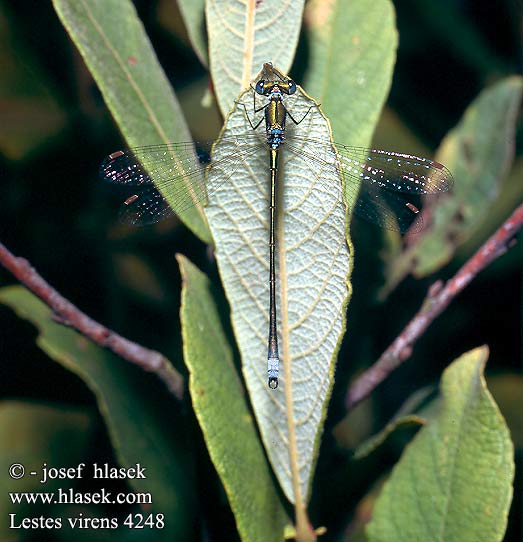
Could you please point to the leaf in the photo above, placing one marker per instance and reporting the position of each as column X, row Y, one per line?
column 140, row 278
column 409, row 415
column 354, row 431
column 193, row 13
column 507, row 389
column 230, row 433
column 31, row 114
column 245, row 35
column 113, row 43
column 352, row 54
column 392, row 132
column 374, row 442
column 478, row 152
column 454, row 481
column 510, row 196
column 313, row 265
column 32, row 434
column 137, row 426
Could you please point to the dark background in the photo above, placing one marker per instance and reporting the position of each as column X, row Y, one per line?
column 55, row 129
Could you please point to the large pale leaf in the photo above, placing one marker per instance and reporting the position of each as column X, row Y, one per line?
column 352, row 55
column 137, row 426
column 313, row 264
column 115, row 47
column 454, row 481
column 245, row 35
column 478, row 152
column 230, row 433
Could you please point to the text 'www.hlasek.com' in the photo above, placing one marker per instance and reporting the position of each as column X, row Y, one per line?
column 85, row 508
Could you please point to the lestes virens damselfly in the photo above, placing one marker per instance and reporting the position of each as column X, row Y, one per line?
column 389, row 183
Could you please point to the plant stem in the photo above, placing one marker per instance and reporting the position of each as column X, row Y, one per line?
column 67, row 314
column 438, row 298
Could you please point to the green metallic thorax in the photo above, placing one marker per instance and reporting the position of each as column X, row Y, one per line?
column 275, row 115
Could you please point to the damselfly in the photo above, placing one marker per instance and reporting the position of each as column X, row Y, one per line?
column 389, row 184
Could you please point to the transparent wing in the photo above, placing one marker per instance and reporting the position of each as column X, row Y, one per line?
column 392, row 184
column 173, row 177
column 148, row 206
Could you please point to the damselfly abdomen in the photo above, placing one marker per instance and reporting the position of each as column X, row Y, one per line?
column 383, row 187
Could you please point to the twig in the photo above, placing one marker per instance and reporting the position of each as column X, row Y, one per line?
column 65, row 313
column 437, row 300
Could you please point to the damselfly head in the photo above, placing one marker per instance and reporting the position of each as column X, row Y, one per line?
column 265, row 88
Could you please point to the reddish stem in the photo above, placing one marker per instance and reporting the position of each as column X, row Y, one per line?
column 65, row 313
column 437, row 300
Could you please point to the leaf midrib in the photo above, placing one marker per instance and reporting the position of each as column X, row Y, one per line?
column 127, row 73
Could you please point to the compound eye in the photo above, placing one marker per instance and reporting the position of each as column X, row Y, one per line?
column 260, row 86
column 292, row 86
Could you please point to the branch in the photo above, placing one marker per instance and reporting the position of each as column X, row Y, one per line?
column 437, row 300
column 65, row 313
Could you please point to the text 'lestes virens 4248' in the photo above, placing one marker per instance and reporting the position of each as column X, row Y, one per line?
column 389, row 184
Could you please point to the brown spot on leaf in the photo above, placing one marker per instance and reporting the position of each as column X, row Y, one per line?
column 459, row 216
column 82, row 343
column 466, row 149
column 318, row 13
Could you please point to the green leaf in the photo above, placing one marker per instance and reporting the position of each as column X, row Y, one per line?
column 137, row 426
column 374, row 442
column 32, row 434
column 392, row 132
column 354, row 431
column 193, row 13
column 312, row 267
column 230, row 433
column 478, row 152
column 454, row 481
column 352, row 54
column 507, row 389
column 140, row 278
column 113, row 43
column 31, row 113
column 407, row 416
column 245, row 35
